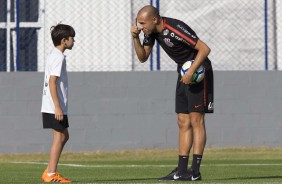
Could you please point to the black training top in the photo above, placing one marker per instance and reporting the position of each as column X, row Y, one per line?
column 178, row 40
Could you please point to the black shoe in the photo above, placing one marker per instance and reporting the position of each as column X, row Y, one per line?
column 170, row 177
column 193, row 176
column 188, row 176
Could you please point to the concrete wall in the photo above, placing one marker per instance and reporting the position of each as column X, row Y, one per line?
column 135, row 110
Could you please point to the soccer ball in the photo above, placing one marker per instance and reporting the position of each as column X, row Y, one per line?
column 198, row 76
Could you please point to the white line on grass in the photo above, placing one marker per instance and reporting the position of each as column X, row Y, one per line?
column 141, row 165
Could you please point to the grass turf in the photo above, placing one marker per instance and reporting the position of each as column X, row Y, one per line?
column 238, row 165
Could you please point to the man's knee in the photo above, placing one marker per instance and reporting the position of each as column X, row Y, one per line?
column 197, row 119
column 183, row 121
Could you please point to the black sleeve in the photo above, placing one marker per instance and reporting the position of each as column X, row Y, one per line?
column 148, row 40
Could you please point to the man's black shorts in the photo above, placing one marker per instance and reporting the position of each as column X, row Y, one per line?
column 195, row 97
column 49, row 121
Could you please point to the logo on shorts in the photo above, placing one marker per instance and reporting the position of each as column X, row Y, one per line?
column 210, row 107
column 197, row 106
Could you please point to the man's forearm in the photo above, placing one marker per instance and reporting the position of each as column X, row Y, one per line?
column 141, row 54
column 203, row 52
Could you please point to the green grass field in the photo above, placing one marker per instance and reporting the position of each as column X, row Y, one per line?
column 238, row 165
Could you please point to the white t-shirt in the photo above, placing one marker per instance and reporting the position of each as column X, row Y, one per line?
column 55, row 66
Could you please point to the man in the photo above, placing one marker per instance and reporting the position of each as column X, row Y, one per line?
column 192, row 100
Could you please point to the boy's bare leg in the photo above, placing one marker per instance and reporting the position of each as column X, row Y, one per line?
column 60, row 139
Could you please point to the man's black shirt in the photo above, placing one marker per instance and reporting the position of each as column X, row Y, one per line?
column 178, row 40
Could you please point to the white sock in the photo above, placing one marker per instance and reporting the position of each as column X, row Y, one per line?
column 50, row 174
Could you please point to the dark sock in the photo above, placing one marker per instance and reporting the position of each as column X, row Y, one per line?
column 182, row 164
column 196, row 163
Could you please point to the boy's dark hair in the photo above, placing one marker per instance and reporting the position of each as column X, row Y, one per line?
column 61, row 31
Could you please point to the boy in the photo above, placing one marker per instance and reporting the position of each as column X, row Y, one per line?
column 54, row 99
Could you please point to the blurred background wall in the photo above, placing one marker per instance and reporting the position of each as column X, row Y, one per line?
column 243, row 34
column 118, row 103
column 135, row 110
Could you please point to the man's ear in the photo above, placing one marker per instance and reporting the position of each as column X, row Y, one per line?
column 155, row 20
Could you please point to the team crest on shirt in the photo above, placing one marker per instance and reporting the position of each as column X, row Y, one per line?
column 168, row 42
column 165, row 32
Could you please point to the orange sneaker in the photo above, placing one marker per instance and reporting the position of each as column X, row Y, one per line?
column 44, row 173
column 54, row 178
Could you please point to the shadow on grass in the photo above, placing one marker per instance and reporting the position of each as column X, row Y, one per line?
column 252, row 178
column 125, row 180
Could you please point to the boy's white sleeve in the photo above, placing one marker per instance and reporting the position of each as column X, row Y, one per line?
column 56, row 66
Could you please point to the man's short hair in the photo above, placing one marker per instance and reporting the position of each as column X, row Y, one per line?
column 61, row 31
column 150, row 10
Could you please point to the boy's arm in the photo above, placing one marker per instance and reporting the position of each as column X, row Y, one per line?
column 53, row 90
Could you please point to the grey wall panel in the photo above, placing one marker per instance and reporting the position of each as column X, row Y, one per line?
column 135, row 110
